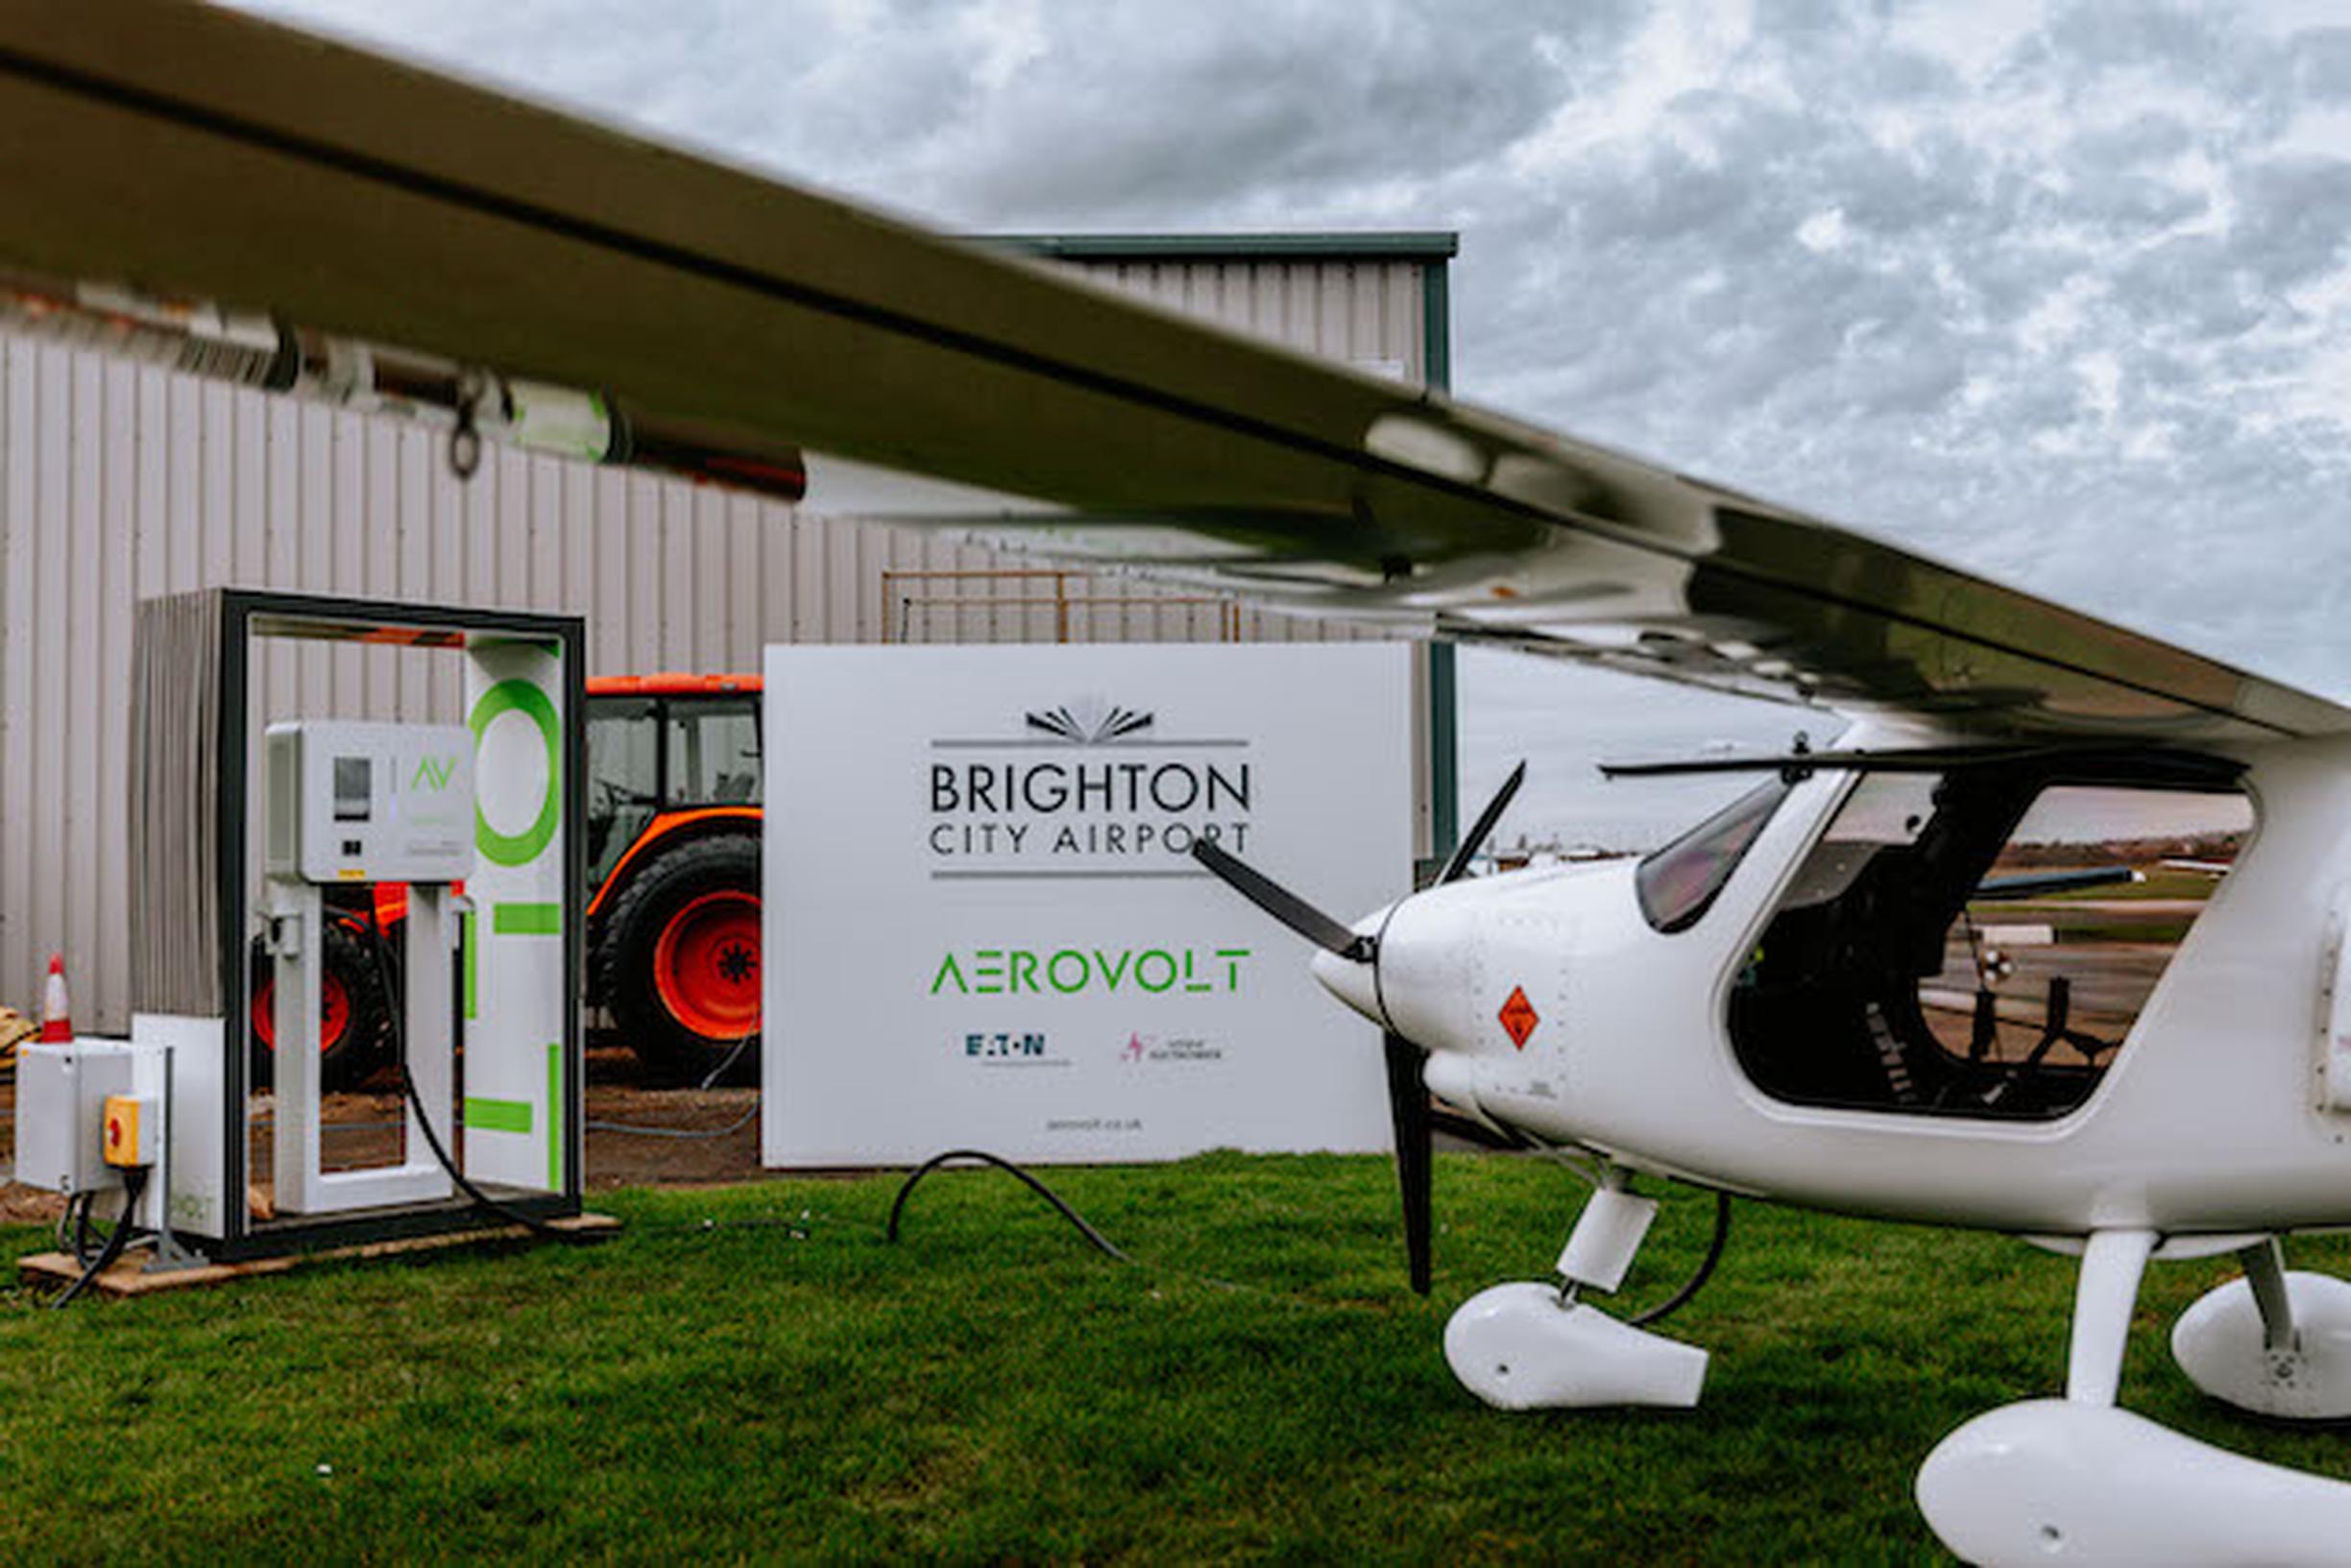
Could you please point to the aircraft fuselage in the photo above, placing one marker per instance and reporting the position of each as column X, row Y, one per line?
column 2212, row 1118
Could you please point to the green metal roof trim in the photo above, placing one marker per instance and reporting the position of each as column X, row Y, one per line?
column 1368, row 245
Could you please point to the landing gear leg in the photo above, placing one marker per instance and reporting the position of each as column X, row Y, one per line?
column 2265, row 1267
column 1607, row 1237
column 2276, row 1343
column 2078, row 1478
column 2111, row 1268
column 1528, row 1346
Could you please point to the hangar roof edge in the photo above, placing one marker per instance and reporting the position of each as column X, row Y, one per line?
column 1363, row 245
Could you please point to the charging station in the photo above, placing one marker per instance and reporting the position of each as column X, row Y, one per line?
column 339, row 811
column 480, row 820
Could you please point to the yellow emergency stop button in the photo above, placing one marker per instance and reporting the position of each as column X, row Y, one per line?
column 125, row 1141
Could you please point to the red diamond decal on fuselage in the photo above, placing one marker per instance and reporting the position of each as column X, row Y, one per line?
column 1519, row 1016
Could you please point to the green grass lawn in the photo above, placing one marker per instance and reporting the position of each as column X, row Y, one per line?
column 1261, row 1386
column 2162, row 882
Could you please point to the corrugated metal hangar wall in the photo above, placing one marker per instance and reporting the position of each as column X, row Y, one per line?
column 118, row 482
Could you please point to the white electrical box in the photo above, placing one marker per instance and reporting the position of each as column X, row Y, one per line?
column 61, row 1105
column 353, row 802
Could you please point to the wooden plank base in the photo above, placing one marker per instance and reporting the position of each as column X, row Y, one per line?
column 127, row 1277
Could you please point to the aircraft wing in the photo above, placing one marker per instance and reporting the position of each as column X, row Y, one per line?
column 333, row 197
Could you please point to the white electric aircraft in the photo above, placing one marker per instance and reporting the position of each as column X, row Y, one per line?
column 1741, row 1011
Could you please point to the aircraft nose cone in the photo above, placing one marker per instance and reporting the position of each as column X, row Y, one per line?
column 1351, row 980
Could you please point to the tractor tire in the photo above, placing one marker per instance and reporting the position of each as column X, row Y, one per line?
column 352, row 1017
column 678, row 961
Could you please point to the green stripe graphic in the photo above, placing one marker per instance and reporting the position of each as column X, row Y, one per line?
column 497, row 1114
column 554, row 1119
column 527, row 919
column 473, row 953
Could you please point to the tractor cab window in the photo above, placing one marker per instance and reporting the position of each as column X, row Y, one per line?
column 1979, row 943
column 623, row 777
column 714, row 752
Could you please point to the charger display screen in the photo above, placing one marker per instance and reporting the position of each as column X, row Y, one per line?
column 353, row 789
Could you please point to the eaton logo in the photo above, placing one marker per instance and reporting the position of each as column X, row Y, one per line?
column 1012, row 1047
column 1004, row 1044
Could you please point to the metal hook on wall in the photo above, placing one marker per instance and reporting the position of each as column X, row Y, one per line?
column 465, row 443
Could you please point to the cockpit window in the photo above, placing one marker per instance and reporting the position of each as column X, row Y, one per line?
column 1979, row 943
column 1679, row 882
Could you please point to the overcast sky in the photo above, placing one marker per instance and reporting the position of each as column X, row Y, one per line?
column 2056, row 291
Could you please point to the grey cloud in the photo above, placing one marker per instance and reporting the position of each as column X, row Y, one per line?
column 2190, row 285
column 2142, row 140
column 2031, row 406
column 1670, row 197
column 1137, row 114
column 1916, row 375
column 1906, row 76
column 2323, row 62
column 1810, row 21
column 2109, row 33
column 2132, row 204
column 1888, row 194
column 2163, row 371
column 2290, row 219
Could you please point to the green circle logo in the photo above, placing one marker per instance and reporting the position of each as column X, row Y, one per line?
column 516, row 695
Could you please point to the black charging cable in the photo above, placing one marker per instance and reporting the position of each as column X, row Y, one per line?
column 396, row 1012
column 135, row 1183
column 1102, row 1244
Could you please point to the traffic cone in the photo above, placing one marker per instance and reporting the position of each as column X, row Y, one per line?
column 57, row 1014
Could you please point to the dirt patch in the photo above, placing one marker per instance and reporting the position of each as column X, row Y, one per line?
column 634, row 1127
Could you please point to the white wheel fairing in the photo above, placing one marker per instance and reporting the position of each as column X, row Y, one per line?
column 2054, row 1481
column 2218, row 1343
column 1518, row 1348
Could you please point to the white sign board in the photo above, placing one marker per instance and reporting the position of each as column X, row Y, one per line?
column 983, row 929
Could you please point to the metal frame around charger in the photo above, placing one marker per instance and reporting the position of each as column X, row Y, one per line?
column 245, row 615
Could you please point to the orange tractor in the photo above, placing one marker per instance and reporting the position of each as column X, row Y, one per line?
column 673, row 793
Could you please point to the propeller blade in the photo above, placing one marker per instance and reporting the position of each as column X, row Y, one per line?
column 1408, row 1104
column 1281, row 904
column 1474, row 839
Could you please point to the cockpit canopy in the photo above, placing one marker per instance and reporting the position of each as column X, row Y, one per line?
column 1974, row 940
